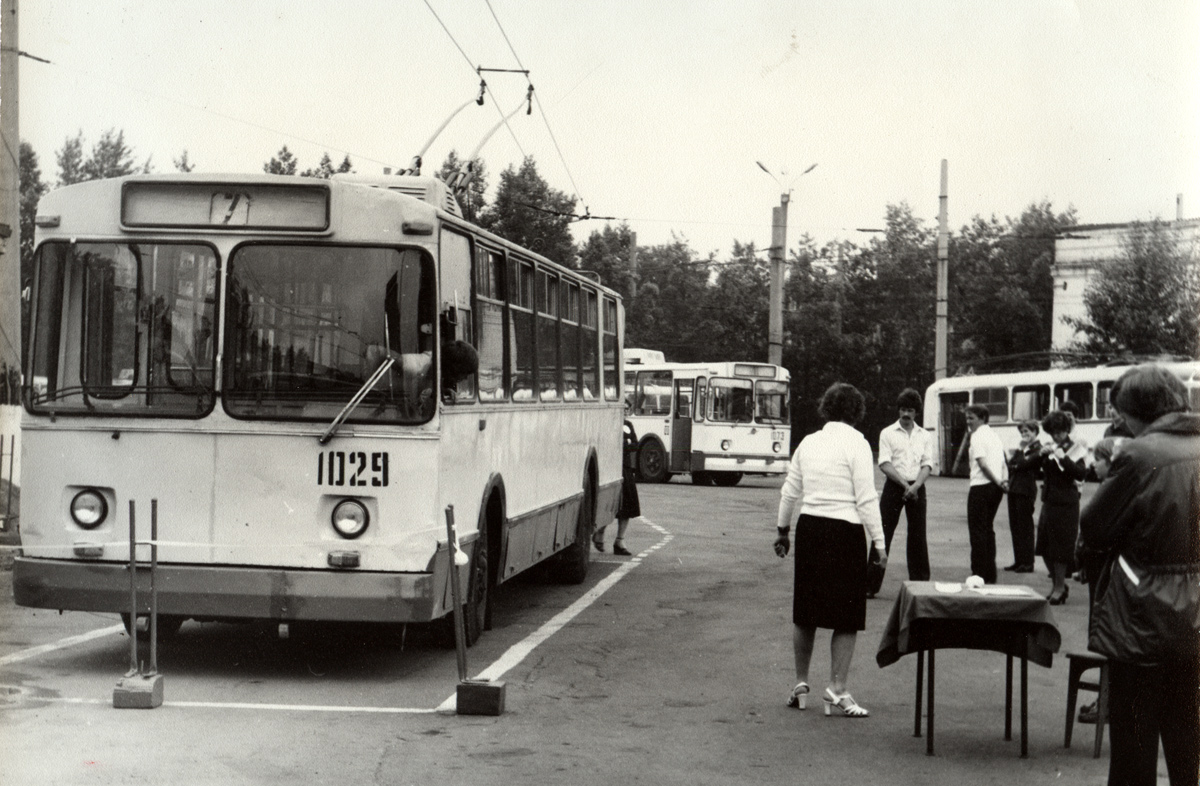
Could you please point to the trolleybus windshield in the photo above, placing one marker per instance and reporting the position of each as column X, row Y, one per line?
column 307, row 326
column 124, row 329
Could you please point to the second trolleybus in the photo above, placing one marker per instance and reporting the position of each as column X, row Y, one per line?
column 716, row 421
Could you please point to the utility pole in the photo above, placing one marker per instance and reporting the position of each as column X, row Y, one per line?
column 10, row 202
column 943, row 281
column 778, row 250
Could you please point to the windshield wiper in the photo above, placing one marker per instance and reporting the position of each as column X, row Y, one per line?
column 366, row 388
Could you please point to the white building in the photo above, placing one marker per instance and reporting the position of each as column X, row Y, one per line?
column 1078, row 253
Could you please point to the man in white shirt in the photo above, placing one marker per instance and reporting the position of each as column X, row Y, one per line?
column 989, row 482
column 906, row 458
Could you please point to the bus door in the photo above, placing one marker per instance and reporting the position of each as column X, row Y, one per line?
column 952, row 430
column 681, row 427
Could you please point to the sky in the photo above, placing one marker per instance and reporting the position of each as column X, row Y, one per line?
column 657, row 112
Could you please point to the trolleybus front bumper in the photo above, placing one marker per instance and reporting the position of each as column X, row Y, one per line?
column 227, row 592
column 732, row 462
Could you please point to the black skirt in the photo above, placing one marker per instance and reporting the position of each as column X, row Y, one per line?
column 630, row 506
column 1058, row 529
column 830, row 588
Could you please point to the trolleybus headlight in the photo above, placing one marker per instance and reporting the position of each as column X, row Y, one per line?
column 726, row 444
column 89, row 509
column 776, row 447
column 350, row 518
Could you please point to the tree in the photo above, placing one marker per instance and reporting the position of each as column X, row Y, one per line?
column 530, row 213
column 110, row 157
column 473, row 200
column 607, row 252
column 1001, row 286
column 668, row 311
column 325, row 168
column 1147, row 300
column 182, row 164
column 282, row 163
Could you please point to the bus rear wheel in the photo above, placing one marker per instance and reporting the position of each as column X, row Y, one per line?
column 570, row 566
column 652, row 462
column 726, row 478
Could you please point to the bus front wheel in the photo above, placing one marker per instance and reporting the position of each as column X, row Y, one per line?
column 652, row 462
column 478, row 590
column 726, row 478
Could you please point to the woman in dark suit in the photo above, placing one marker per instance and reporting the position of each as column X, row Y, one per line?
column 1064, row 465
column 1022, row 493
column 630, row 506
column 832, row 477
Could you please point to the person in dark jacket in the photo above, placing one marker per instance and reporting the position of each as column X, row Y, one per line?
column 630, row 506
column 1023, row 462
column 1064, row 466
column 1147, row 513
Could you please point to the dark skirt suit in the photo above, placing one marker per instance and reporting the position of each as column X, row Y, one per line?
column 1058, row 524
column 630, row 506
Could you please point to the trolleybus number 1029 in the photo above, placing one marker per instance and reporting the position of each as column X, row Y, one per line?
column 351, row 468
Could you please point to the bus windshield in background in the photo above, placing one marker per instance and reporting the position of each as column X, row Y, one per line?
column 730, row 400
column 771, row 402
column 124, row 329
column 307, row 325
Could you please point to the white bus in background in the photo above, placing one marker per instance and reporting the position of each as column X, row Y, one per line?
column 716, row 421
column 279, row 362
column 1028, row 395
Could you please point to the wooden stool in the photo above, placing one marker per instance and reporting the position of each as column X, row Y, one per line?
column 1079, row 663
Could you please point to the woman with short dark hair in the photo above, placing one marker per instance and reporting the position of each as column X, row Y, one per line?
column 832, row 476
column 1064, row 466
column 1146, row 518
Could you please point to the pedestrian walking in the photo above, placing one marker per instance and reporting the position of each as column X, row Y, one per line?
column 831, row 476
column 906, row 459
column 630, row 506
column 989, row 481
column 1023, row 464
column 1146, row 518
column 1064, row 466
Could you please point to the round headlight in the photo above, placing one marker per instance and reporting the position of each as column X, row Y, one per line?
column 776, row 447
column 725, row 444
column 350, row 518
column 89, row 509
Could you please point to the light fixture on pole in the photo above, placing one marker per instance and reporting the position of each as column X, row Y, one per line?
column 778, row 251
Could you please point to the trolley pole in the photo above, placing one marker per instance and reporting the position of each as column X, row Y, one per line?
column 941, row 338
column 778, row 250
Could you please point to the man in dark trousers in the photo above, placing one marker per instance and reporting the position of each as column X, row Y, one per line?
column 906, row 458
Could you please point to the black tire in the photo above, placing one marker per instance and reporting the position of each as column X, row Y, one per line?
column 570, row 566
column 168, row 626
column 652, row 461
column 726, row 478
column 479, row 589
column 701, row 478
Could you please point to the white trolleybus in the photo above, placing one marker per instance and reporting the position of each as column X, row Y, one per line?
column 1029, row 395
column 280, row 362
column 717, row 421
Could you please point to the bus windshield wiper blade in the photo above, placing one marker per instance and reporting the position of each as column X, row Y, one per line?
column 366, row 388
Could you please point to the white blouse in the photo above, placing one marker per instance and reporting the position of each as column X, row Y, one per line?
column 833, row 473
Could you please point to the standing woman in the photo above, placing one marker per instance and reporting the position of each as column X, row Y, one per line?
column 1146, row 516
column 1064, row 463
column 832, row 475
column 1022, row 493
column 630, row 506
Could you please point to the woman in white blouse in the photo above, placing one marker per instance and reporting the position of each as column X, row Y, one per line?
column 832, row 476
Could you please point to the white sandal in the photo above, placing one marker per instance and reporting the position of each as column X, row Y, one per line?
column 844, row 702
column 799, row 695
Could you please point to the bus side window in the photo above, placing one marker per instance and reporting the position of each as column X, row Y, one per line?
column 1030, row 402
column 701, row 398
column 489, row 323
column 996, row 401
column 456, row 264
column 1079, row 393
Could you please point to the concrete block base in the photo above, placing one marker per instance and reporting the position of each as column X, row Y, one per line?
column 480, row 697
column 139, row 692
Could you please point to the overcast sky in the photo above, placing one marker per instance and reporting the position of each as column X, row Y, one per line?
column 660, row 107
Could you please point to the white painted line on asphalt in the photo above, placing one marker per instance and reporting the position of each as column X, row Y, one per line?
column 519, row 651
column 61, row 644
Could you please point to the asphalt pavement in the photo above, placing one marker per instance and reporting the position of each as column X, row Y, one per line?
column 670, row 667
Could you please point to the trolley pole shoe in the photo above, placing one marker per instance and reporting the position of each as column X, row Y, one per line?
column 473, row 697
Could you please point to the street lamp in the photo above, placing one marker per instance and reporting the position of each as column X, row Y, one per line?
column 778, row 250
